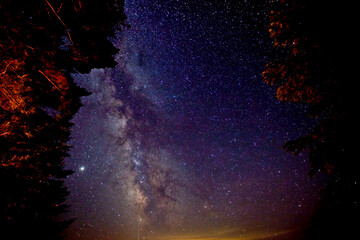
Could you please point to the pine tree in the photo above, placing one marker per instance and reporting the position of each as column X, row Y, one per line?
column 41, row 43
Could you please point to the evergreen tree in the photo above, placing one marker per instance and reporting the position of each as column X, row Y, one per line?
column 41, row 43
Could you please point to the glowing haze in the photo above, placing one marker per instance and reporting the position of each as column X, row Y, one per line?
column 182, row 139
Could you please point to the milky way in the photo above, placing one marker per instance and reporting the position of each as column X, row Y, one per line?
column 183, row 138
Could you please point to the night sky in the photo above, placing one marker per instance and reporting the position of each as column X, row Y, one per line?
column 182, row 139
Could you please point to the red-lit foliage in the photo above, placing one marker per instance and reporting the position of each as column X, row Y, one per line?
column 41, row 43
column 315, row 67
column 311, row 69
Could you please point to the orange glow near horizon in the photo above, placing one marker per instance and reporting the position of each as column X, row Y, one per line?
column 230, row 234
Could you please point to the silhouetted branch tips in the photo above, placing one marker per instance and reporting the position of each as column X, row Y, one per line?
column 307, row 69
column 314, row 67
column 41, row 43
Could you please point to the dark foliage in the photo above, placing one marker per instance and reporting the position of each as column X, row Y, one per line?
column 41, row 43
column 314, row 40
column 314, row 70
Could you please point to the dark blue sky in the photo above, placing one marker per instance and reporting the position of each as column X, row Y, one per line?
column 185, row 135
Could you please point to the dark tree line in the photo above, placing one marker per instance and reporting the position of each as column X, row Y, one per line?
column 314, row 41
column 42, row 42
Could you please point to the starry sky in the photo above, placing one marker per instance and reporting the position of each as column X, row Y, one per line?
column 182, row 139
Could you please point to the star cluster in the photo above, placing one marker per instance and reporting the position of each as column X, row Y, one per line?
column 182, row 139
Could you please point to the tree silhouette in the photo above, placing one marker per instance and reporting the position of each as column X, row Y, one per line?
column 314, row 67
column 41, row 43
column 312, row 71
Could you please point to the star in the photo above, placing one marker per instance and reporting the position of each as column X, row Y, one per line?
column 183, row 134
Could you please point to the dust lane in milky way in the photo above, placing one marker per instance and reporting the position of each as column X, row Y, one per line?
column 182, row 138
